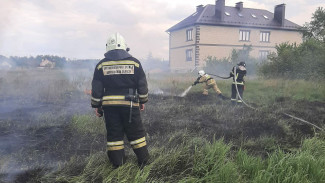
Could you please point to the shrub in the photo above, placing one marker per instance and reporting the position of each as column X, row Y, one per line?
column 306, row 61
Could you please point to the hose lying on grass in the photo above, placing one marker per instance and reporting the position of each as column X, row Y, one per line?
column 299, row 119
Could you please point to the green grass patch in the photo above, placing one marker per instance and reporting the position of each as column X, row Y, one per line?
column 193, row 161
column 258, row 146
column 268, row 91
column 88, row 124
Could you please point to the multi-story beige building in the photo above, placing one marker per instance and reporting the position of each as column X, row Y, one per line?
column 215, row 30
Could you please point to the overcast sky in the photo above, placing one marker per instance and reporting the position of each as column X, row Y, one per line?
column 80, row 28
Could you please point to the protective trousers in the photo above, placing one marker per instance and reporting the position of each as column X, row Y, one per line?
column 234, row 93
column 207, row 87
column 118, row 124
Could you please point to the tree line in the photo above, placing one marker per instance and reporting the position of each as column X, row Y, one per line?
column 35, row 61
column 149, row 63
column 304, row 61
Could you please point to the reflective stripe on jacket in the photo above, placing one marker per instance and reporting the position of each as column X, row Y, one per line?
column 240, row 74
column 207, row 79
column 118, row 100
column 117, row 78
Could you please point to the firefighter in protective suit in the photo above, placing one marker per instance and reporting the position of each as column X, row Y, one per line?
column 119, row 91
column 240, row 74
column 209, row 83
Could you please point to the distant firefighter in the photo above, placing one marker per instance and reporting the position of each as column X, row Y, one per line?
column 119, row 91
column 209, row 83
column 240, row 74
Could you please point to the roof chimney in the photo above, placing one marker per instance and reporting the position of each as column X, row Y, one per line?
column 220, row 9
column 199, row 8
column 279, row 13
column 239, row 6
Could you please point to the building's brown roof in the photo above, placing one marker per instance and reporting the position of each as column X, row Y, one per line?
column 207, row 17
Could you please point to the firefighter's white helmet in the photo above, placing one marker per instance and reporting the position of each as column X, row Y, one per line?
column 116, row 41
column 201, row 72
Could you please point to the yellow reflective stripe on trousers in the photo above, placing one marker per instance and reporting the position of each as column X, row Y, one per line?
column 114, row 97
column 138, row 141
column 139, row 145
column 118, row 62
column 115, row 148
column 115, row 143
column 238, row 83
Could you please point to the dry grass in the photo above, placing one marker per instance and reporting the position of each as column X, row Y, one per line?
column 191, row 139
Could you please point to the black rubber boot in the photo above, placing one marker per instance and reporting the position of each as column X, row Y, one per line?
column 142, row 155
column 222, row 97
column 117, row 158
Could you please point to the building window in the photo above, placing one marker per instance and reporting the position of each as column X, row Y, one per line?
column 264, row 36
column 189, row 35
column 244, row 35
column 263, row 54
column 189, row 53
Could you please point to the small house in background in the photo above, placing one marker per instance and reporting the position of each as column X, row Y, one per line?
column 5, row 63
column 5, row 66
column 215, row 30
column 46, row 64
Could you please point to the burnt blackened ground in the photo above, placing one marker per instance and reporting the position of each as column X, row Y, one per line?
column 212, row 117
column 36, row 137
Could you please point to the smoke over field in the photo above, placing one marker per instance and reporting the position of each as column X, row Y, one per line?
column 48, row 132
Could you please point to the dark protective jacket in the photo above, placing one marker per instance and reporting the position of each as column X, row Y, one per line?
column 119, row 80
column 240, row 74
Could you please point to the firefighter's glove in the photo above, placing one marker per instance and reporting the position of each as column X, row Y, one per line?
column 196, row 82
column 99, row 112
column 142, row 106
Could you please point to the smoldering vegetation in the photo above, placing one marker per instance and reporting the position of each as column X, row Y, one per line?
column 36, row 106
column 48, row 132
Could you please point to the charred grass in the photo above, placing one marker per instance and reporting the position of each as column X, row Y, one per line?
column 53, row 136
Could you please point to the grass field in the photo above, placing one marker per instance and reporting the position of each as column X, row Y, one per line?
column 48, row 132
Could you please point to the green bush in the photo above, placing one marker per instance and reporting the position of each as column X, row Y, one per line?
column 306, row 61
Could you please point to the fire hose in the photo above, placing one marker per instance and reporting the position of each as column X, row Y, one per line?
column 220, row 76
column 291, row 116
